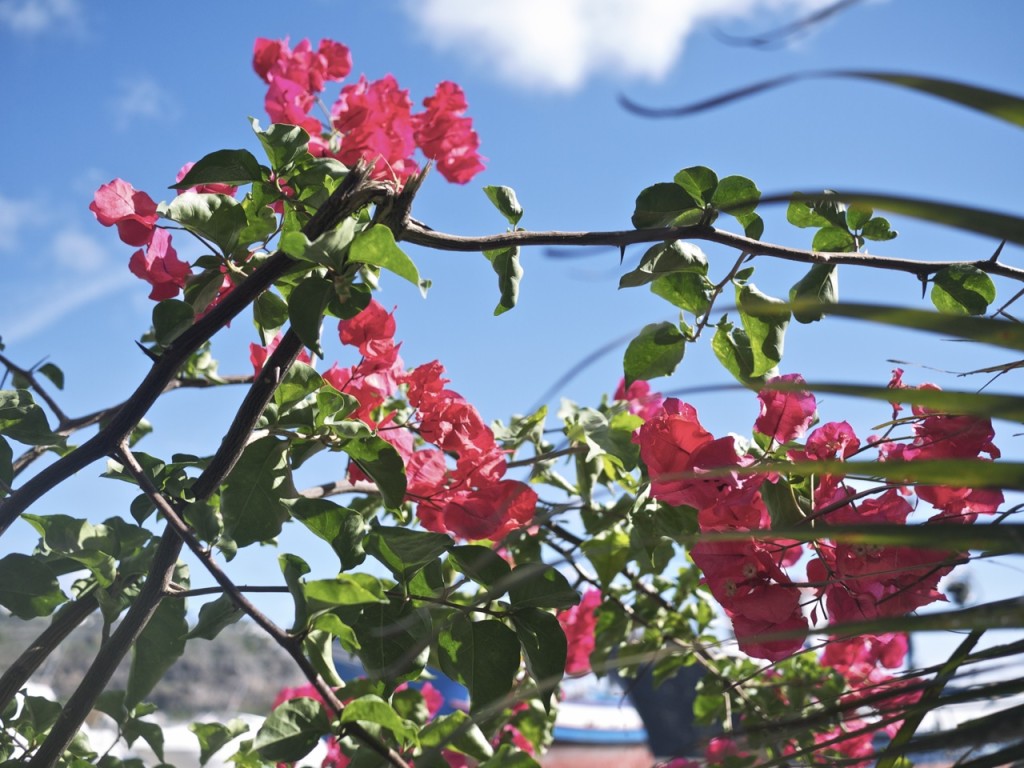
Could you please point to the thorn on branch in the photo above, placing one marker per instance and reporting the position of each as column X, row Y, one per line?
column 995, row 256
column 148, row 352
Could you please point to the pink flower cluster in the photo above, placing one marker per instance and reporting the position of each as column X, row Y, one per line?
column 374, row 120
column 689, row 466
column 119, row 204
column 470, row 500
column 639, row 399
column 579, row 623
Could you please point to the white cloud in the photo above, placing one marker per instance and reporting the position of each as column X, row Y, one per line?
column 16, row 216
column 558, row 44
column 142, row 98
column 31, row 17
column 79, row 252
column 61, row 299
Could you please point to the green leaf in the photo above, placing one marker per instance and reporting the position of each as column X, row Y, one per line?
column 782, row 504
column 171, row 318
column 404, row 551
column 215, row 616
column 731, row 346
column 664, row 259
column 999, row 226
column 504, row 199
column 505, row 263
column 293, row 568
column 217, row 218
column 306, row 305
column 858, row 215
column 699, row 183
column 318, row 647
column 213, row 736
column 753, row 225
column 299, row 382
column 377, row 246
column 344, row 589
column 284, row 144
column 537, row 585
column 801, row 214
column 483, row 656
column 6, row 467
column 394, row 641
column 656, row 351
column 508, row 756
column 53, row 373
column 344, row 529
column 331, row 249
column 256, row 493
column 662, row 204
column 689, row 291
column 483, row 565
column 962, row 290
column 22, row 420
column 151, row 733
column 456, row 731
column 161, row 644
column 260, row 223
column 382, row 464
column 765, row 320
column 814, row 292
column 269, row 314
column 373, row 709
column 292, row 730
column 878, row 229
column 28, row 588
column 225, row 166
column 544, row 647
column 736, row 195
column 609, row 553
column 833, row 240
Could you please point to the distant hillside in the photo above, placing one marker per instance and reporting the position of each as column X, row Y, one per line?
column 240, row 671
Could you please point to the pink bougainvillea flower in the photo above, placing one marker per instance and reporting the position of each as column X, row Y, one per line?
column 372, row 330
column 215, row 189
column 785, row 416
column 446, row 136
column 288, row 102
column 720, row 749
column 258, row 355
column 131, row 211
column 579, row 623
column 375, row 120
column 836, row 439
column 641, row 401
column 274, row 59
column 860, row 659
column 676, row 450
column 490, row 512
column 159, row 266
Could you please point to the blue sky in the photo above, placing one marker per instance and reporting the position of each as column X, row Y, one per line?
column 124, row 89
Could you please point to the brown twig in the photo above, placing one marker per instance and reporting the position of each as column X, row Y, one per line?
column 421, row 235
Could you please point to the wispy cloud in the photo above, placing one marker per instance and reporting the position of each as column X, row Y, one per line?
column 69, row 268
column 31, row 17
column 557, row 45
column 60, row 301
column 142, row 99
column 16, row 216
